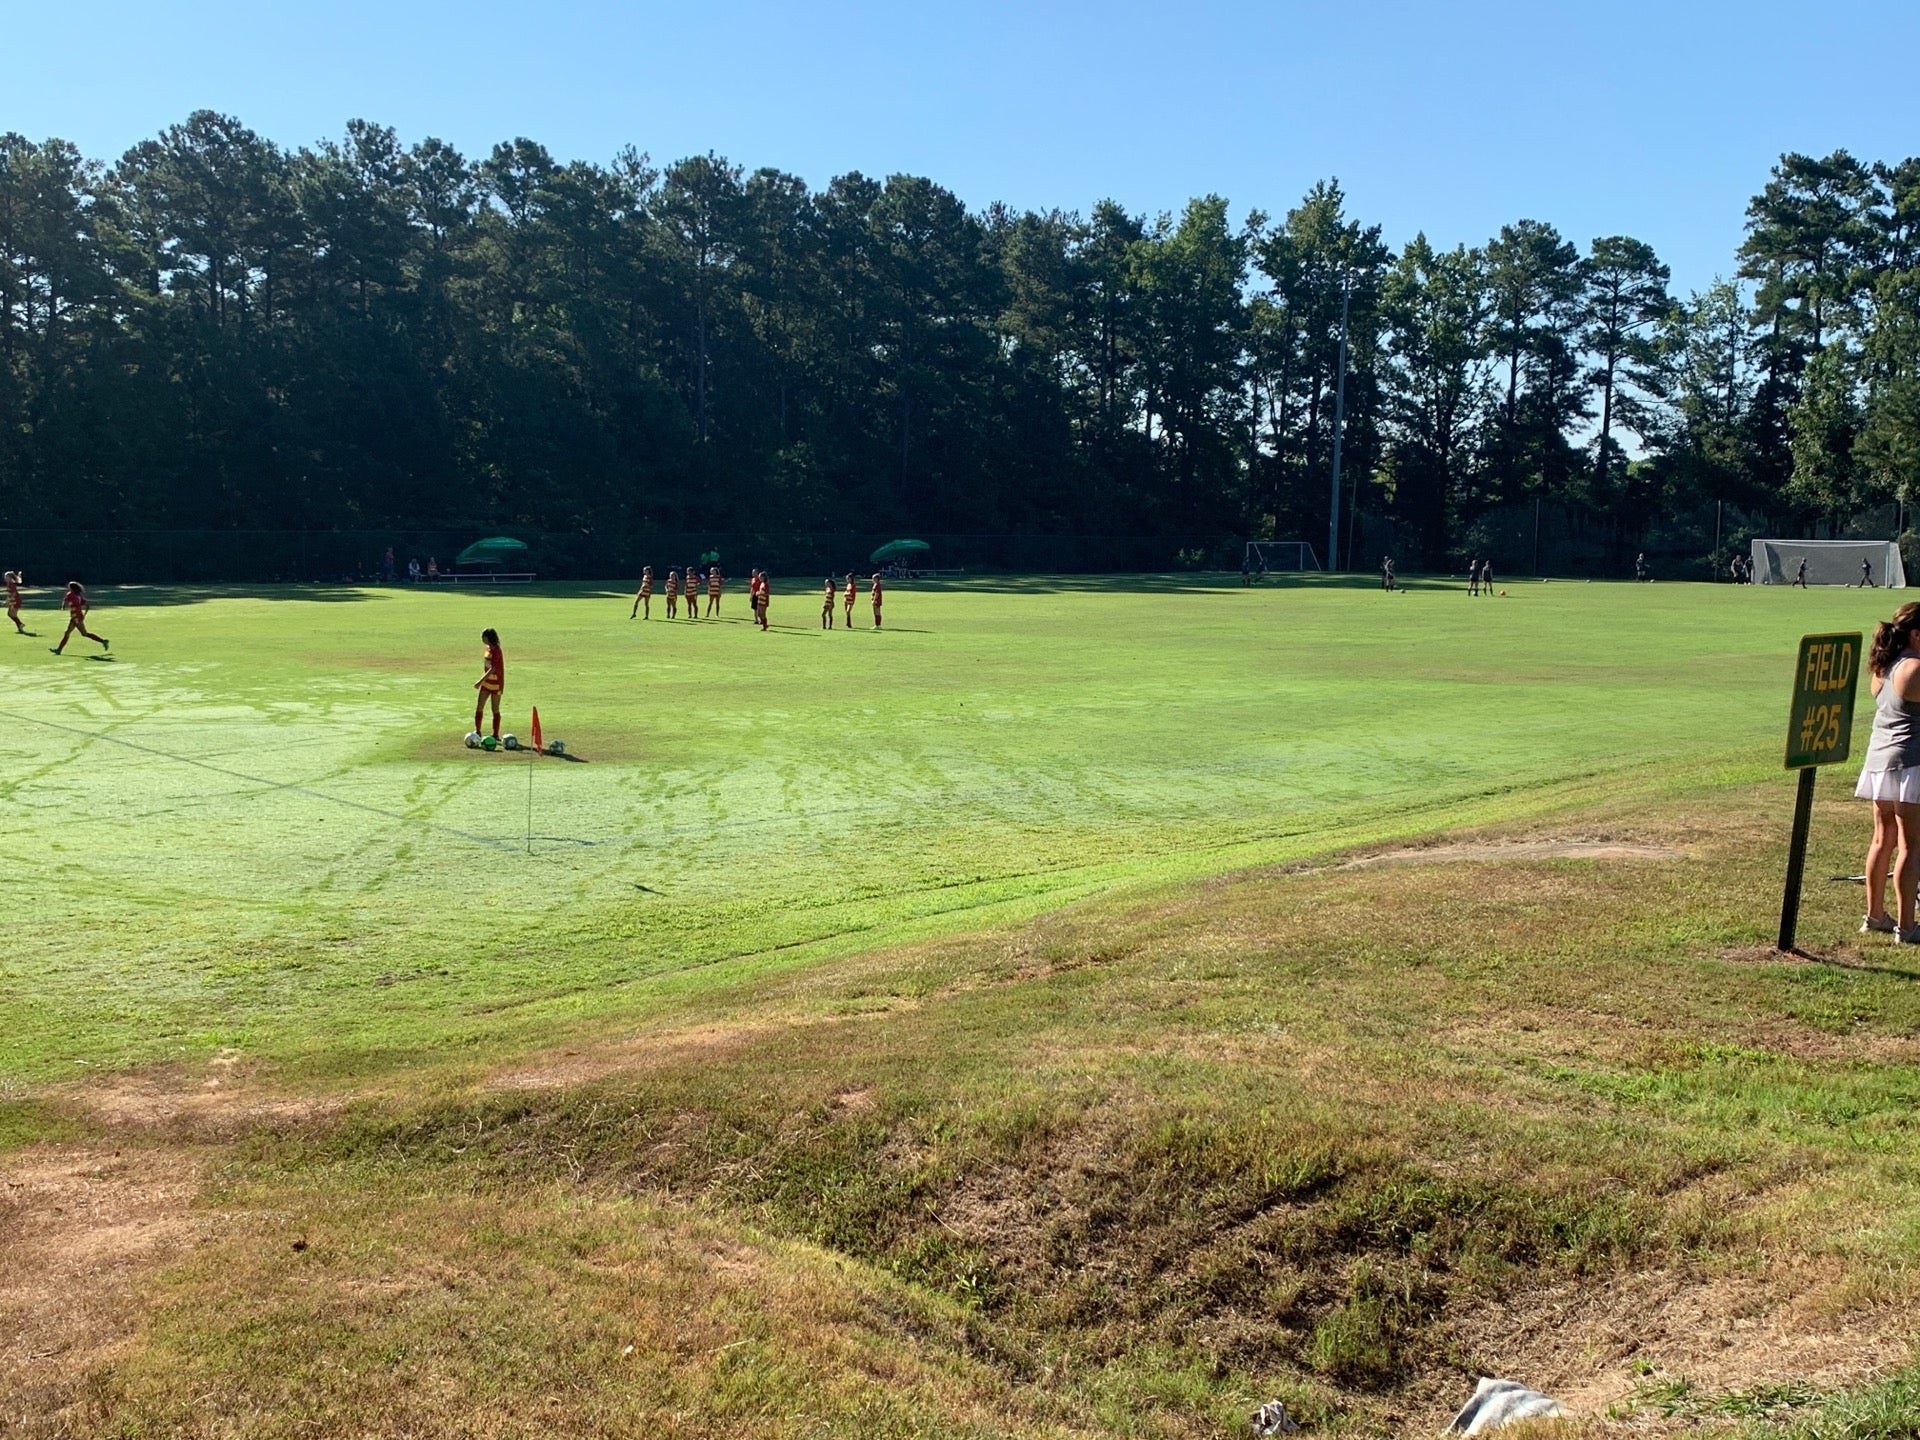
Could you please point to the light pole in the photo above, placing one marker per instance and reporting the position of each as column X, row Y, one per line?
column 1339, row 424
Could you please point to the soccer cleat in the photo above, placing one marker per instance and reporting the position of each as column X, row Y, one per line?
column 1908, row 936
column 105, row 645
column 1878, row 925
column 53, row 650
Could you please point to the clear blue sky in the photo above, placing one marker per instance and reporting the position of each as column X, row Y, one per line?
column 1657, row 120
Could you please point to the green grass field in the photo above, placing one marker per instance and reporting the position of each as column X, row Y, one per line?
column 255, row 825
column 974, row 1029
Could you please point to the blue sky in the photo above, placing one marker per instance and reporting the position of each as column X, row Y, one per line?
column 1657, row 120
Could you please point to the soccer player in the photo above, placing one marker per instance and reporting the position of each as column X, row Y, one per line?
column 1640, row 571
column 713, row 589
column 1486, row 577
column 1473, row 576
column 1800, row 575
column 1866, row 574
column 643, row 597
column 828, row 599
column 853, row 594
column 77, row 607
column 673, row 593
column 1386, row 572
column 693, row 593
column 13, row 602
column 765, row 598
column 876, row 599
column 492, row 680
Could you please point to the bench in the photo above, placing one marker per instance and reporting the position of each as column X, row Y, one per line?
column 454, row 577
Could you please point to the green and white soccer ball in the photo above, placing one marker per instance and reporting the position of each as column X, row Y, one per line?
column 489, row 743
column 473, row 740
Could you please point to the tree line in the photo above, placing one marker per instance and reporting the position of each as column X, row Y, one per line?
column 217, row 332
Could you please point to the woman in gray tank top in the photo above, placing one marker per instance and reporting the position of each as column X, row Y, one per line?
column 1891, row 776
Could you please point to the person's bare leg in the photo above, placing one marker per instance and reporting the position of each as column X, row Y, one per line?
column 495, row 696
column 1906, row 878
column 1886, row 836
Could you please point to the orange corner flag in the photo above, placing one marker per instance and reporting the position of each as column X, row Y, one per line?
column 538, row 744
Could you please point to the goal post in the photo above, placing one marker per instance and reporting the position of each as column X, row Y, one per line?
column 1281, row 555
column 1829, row 562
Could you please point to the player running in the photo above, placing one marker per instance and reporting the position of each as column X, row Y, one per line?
column 673, row 593
column 643, row 597
column 876, row 599
column 1866, row 575
column 713, row 590
column 853, row 594
column 77, row 607
column 492, row 681
column 1800, row 575
column 14, row 581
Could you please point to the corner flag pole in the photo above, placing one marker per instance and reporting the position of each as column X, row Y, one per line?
column 538, row 746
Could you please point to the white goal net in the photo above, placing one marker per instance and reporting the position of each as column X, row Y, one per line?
column 1829, row 562
column 1264, row 555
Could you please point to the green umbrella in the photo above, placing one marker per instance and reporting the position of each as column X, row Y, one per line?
column 898, row 549
column 492, row 551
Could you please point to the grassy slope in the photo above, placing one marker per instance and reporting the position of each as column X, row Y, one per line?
column 763, row 799
column 1123, row 1167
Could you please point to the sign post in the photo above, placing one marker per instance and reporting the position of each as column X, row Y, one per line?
column 1819, row 732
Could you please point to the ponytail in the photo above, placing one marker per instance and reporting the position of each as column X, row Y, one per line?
column 1892, row 637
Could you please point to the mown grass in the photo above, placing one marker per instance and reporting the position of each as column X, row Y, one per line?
column 255, row 828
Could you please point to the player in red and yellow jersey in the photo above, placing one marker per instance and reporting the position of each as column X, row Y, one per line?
column 77, row 607
column 673, row 592
column 876, row 599
column 713, row 590
column 853, row 594
column 827, row 599
column 766, row 599
column 13, row 602
column 492, row 681
column 644, row 595
column 693, row 593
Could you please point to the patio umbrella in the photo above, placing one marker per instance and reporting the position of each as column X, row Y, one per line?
column 495, row 550
column 899, row 550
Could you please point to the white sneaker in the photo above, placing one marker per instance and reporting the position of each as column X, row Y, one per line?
column 1878, row 925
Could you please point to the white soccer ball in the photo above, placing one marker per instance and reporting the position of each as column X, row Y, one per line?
column 473, row 740
column 510, row 741
column 556, row 747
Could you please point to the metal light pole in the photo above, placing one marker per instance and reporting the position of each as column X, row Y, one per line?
column 1339, row 424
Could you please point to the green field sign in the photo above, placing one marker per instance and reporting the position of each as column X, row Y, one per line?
column 1821, row 728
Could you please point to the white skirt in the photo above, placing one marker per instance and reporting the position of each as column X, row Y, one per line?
column 1902, row 784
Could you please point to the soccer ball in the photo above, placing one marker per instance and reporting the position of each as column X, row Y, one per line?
column 556, row 747
column 473, row 740
column 511, row 742
column 489, row 743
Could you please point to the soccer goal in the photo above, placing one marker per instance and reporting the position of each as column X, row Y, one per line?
column 1265, row 555
column 1829, row 562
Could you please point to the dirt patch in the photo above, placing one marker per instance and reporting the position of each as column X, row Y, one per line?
column 580, row 1066
column 82, row 1226
column 213, row 1103
column 1516, row 850
column 1590, row 1343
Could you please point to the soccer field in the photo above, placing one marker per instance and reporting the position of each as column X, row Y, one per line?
column 255, row 825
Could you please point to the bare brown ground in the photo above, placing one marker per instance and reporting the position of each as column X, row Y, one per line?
column 1515, row 850
column 82, row 1225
